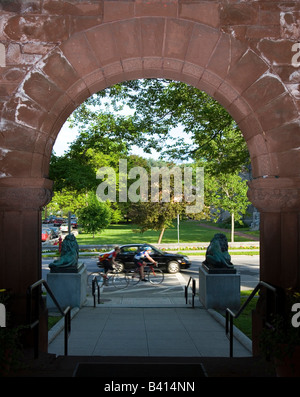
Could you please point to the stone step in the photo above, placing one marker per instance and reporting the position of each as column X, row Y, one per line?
column 105, row 367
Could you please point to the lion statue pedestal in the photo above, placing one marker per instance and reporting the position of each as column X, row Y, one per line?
column 67, row 278
column 219, row 282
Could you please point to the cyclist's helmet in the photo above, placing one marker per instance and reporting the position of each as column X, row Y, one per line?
column 146, row 248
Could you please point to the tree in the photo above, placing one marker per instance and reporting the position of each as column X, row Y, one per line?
column 155, row 216
column 160, row 105
column 95, row 216
column 157, row 106
column 69, row 173
column 108, row 131
column 227, row 192
column 66, row 200
column 158, row 213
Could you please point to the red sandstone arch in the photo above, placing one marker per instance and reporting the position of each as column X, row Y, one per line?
column 228, row 70
column 240, row 54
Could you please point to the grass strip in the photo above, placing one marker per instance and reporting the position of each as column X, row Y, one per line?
column 52, row 320
column 244, row 321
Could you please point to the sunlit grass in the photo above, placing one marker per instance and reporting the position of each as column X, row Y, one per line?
column 189, row 232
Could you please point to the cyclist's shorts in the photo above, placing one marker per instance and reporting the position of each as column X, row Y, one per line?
column 138, row 263
column 107, row 265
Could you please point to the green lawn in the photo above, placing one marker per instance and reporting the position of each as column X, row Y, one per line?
column 189, row 232
column 244, row 321
column 52, row 320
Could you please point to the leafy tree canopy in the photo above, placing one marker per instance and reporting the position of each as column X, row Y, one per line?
column 160, row 105
column 143, row 113
column 71, row 173
column 95, row 216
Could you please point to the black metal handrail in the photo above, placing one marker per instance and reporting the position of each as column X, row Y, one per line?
column 35, row 324
column 230, row 315
column 193, row 291
column 95, row 286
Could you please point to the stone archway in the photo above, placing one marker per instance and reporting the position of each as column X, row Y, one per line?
column 58, row 53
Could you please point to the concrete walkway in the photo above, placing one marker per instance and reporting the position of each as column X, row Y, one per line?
column 147, row 327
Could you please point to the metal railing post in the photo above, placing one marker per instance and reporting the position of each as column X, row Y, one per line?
column 67, row 328
column 231, row 337
column 94, row 283
column 93, row 291
column 35, row 324
column 230, row 315
column 193, row 291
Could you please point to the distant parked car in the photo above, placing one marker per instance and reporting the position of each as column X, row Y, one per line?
column 64, row 227
column 58, row 221
column 172, row 263
column 47, row 234
column 74, row 223
column 49, row 219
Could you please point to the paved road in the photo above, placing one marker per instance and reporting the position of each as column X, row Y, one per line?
column 173, row 285
column 246, row 265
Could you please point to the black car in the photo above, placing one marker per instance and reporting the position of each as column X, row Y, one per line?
column 172, row 263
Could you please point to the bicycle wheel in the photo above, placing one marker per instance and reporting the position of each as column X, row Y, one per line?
column 91, row 277
column 133, row 277
column 118, row 267
column 155, row 276
column 119, row 280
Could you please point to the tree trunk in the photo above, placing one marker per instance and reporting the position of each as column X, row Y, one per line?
column 232, row 227
column 161, row 235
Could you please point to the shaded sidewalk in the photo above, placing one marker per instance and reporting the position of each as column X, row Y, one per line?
column 113, row 341
column 147, row 331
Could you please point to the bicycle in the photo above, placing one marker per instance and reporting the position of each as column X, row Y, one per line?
column 155, row 277
column 114, row 277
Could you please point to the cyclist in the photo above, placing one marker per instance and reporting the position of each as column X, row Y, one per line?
column 139, row 260
column 109, row 260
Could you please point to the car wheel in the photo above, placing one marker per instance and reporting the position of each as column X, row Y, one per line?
column 120, row 266
column 173, row 267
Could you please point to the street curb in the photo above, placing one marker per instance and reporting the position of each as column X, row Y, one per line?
column 238, row 334
column 59, row 326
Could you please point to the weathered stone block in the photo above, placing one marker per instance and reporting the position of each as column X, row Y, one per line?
column 219, row 291
column 69, row 289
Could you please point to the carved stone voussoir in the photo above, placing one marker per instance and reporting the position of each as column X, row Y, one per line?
column 274, row 195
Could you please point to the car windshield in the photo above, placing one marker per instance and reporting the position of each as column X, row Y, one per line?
column 156, row 250
column 137, row 248
column 129, row 249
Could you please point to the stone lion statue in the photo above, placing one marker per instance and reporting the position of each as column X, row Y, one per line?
column 217, row 255
column 68, row 260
